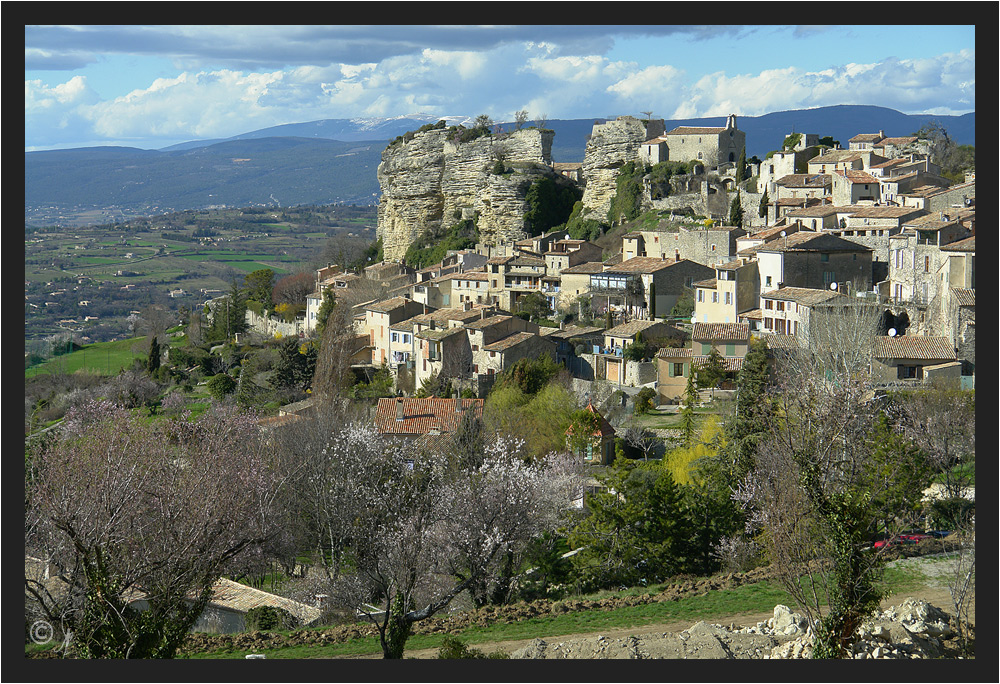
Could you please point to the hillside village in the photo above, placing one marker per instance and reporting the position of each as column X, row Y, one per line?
column 716, row 258
column 823, row 227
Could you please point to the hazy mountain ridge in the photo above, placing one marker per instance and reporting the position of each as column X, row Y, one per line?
column 335, row 160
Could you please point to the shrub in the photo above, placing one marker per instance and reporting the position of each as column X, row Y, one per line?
column 266, row 618
column 220, row 385
column 453, row 649
column 644, row 400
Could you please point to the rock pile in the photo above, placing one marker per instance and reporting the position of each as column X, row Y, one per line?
column 914, row 629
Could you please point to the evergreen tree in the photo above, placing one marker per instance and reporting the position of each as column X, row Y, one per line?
column 741, row 166
column 762, row 212
column 753, row 409
column 325, row 309
column 687, row 410
column 736, row 211
column 153, row 361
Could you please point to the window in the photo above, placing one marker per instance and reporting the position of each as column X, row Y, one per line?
column 824, row 257
column 395, row 337
column 699, row 155
column 781, row 306
column 678, row 370
column 729, row 298
column 715, row 297
column 701, row 295
column 768, row 304
column 927, row 264
column 767, row 281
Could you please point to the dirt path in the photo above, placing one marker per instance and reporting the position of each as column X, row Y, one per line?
column 934, row 591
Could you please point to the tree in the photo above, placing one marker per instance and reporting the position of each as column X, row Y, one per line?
column 713, row 371
column 741, row 166
column 520, row 117
column 635, row 530
column 687, row 410
column 762, row 211
column 325, row 308
column 736, row 211
column 293, row 288
column 123, row 509
column 259, row 286
column 416, row 532
column 753, row 412
column 535, row 305
column 220, row 385
column 153, row 360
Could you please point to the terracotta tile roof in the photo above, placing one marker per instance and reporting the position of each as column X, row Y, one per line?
column 905, row 140
column 804, row 241
column 821, row 211
column 806, row 296
column 488, row 321
column 777, row 341
column 913, row 347
column 631, row 328
column 387, row 305
column 805, row 180
column 440, row 333
column 586, row 267
column 721, row 332
column 695, row 130
column 963, row 296
column 710, row 284
column 641, row 265
column 836, row 157
column 885, row 212
column 241, row 598
column 674, row 353
column 966, row 245
column 752, row 314
column 729, row 363
column 866, row 137
column 508, row 342
column 572, row 331
column 413, row 416
column 855, row 176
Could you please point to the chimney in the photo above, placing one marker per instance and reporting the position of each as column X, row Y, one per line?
column 399, row 409
column 458, row 404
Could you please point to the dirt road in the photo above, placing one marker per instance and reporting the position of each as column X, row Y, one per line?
column 934, row 591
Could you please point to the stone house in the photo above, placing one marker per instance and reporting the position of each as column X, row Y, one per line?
column 711, row 145
column 701, row 245
column 675, row 365
column 961, row 331
column 787, row 309
column 379, row 317
column 488, row 330
column 918, row 268
column 734, row 291
column 627, row 286
column 865, row 141
column 902, row 146
column 511, row 278
column 469, row 286
column 803, row 186
column 435, row 293
column 498, row 356
column 817, row 217
column 620, row 336
column 567, row 336
column 814, row 260
column 912, row 358
column 567, row 252
column 852, row 187
column 574, row 282
column 933, row 198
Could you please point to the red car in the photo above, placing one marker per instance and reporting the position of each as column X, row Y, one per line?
column 915, row 537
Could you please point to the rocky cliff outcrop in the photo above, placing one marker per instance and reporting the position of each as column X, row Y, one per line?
column 610, row 146
column 431, row 180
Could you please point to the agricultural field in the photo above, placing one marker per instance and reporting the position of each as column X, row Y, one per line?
column 88, row 281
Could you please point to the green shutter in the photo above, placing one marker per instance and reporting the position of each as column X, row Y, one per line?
column 730, row 350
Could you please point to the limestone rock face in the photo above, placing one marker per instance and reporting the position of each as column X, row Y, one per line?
column 611, row 145
column 432, row 182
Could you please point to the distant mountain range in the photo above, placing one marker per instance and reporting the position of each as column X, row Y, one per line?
column 335, row 160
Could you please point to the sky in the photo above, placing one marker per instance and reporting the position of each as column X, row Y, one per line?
column 151, row 86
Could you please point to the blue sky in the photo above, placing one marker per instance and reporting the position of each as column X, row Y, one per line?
column 153, row 86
